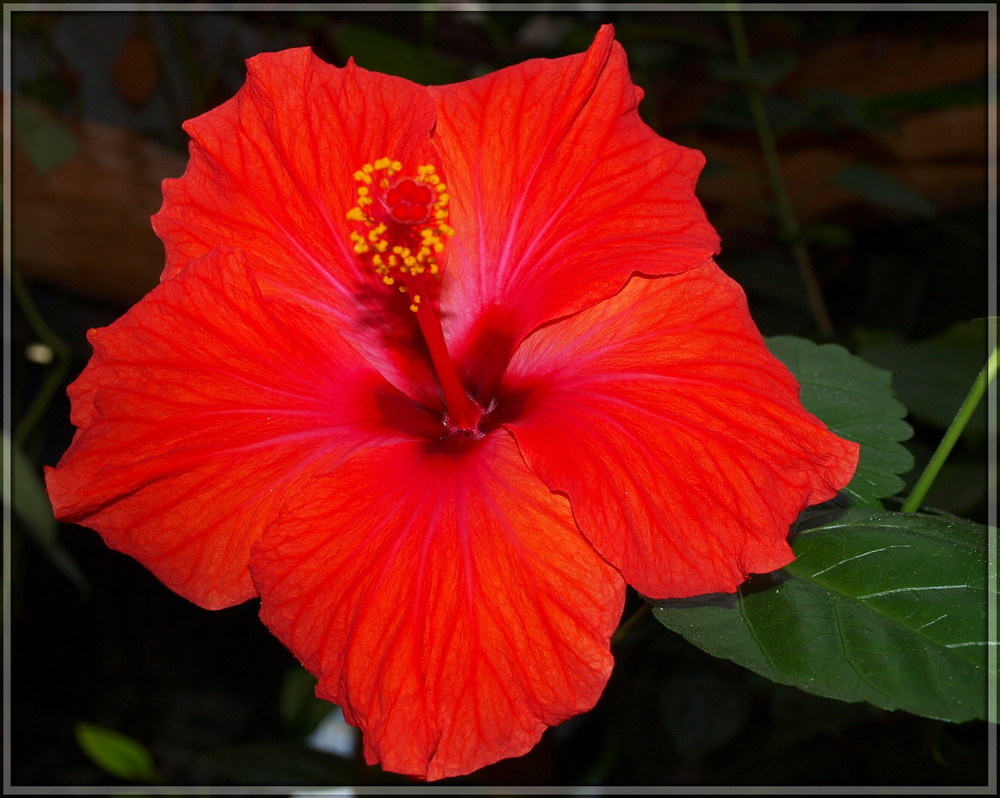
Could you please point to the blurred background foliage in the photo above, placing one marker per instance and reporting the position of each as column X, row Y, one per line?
column 872, row 231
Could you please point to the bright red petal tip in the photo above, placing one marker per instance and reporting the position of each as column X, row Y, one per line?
column 200, row 408
column 445, row 598
column 559, row 192
column 679, row 439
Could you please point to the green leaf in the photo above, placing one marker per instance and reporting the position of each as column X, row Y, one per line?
column 855, row 400
column 385, row 52
column 883, row 189
column 46, row 140
column 888, row 608
column 275, row 763
column 955, row 96
column 30, row 507
column 766, row 70
column 300, row 709
column 116, row 753
column 933, row 376
column 847, row 109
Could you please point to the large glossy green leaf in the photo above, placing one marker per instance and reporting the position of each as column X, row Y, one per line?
column 888, row 608
column 855, row 400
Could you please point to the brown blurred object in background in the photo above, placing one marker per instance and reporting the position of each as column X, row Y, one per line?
column 84, row 224
column 940, row 153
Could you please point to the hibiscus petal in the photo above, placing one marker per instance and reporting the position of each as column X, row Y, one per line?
column 443, row 596
column 271, row 172
column 678, row 438
column 559, row 191
column 200, row 407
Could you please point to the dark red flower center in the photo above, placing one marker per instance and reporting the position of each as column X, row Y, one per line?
column 404, row 230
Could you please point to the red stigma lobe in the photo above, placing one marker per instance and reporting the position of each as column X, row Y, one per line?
column 409, row 202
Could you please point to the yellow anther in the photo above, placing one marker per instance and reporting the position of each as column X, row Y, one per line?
column 391, row 246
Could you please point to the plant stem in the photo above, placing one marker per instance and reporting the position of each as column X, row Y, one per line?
column 623, row 630
column 986, row 376
column 790, row 228
column 61, row 360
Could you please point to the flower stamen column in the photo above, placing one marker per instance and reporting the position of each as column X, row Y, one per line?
column 406, row 227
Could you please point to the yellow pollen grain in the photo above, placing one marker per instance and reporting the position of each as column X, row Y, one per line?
column 379, row 242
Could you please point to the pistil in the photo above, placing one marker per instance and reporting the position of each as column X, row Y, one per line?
column 405, row 221
column 463, row 412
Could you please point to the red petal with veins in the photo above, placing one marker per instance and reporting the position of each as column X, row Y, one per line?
column 271, row 172
column 677, row 436
column 445, row 598
column 559, row 192
column 268, row 418
column 200, row 408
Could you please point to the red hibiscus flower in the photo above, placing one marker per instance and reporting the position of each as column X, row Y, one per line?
column 435, row 372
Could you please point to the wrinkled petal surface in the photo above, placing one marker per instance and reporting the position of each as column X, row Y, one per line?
column 678, row 438
column 198, row 412
column 445, row 598
column 559, row 191
column 271, row 172
column 268, row 420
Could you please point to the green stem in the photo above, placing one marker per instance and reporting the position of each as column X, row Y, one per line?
column 61, row 360
column 790, row 228
column 629, row 625
column 951, row 436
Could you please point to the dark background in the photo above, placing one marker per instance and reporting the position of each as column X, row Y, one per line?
column 881, row 126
